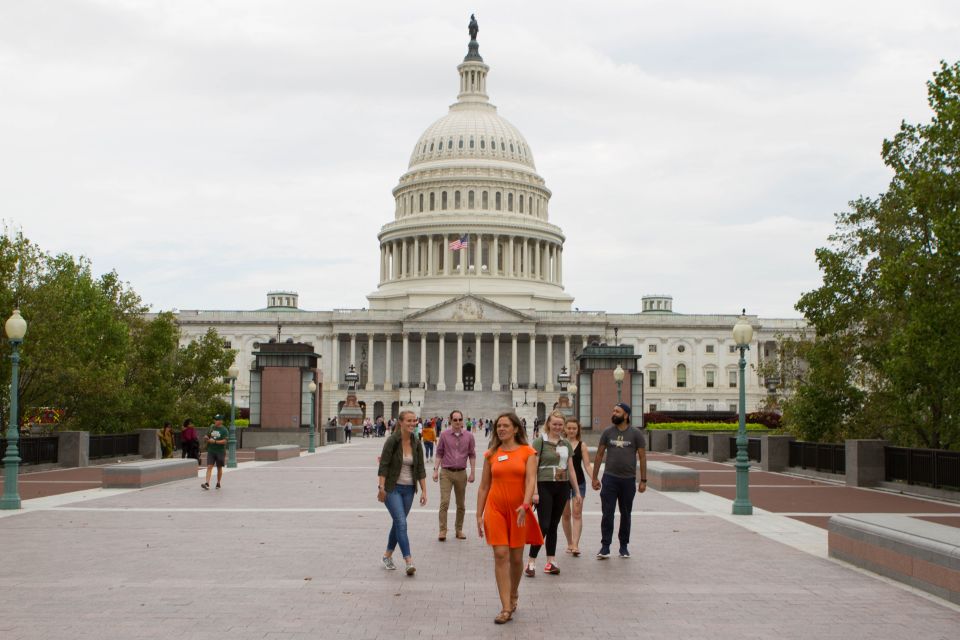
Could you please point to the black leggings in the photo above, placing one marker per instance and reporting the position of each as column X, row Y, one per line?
column 553, row 498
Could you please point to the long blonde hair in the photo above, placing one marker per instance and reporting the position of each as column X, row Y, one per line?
column 521, row 436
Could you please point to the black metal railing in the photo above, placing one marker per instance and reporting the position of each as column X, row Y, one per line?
column 114, row 444
column 699, row 444
column 931, row 467
column 33, row 450
column 819, row 456
column 753, row 448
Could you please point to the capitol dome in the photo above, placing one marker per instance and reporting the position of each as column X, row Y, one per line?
column 471, row 213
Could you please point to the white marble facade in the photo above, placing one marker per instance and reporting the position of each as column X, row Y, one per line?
column 473, row 174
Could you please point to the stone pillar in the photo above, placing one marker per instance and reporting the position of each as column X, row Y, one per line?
column 513, row 360
column 560, row 265
column 548, row 385
column 416, row 258
column 335, row 360
column 681, row 443
column 447, row 255
column 525, row 268
column 537, row 272
column 718, row 447
column 478, row 256
column 403, row 259
column 477, row 386
column 496, row 363
column 73, row 448
column 566, row 357
column 353, row 349
column 388, row 375
column 495, row 253
column 533, row 360
column 511, row 255
column 370, row 361
column 423, row 359
column 866, row 466
column 459, row 385
column 463, row 261
column 441, row 366
column 149, row 443
column 775, row 452
column 431, row 267
column 405, row 362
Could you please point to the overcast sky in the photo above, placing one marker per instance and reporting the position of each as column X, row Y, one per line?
column 212, row 150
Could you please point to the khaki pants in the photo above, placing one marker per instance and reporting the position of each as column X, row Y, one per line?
column 456, row 480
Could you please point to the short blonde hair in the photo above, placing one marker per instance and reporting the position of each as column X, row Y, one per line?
column 556, row 413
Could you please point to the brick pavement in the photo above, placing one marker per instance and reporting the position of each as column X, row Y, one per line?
column 291, row 550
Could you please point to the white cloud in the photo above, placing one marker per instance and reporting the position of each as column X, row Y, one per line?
column 211, row 150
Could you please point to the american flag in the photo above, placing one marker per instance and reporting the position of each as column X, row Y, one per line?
column 460, row 243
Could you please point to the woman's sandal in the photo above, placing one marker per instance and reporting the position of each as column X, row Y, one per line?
column 513, row 602
column 575, row 553
column 503, row 617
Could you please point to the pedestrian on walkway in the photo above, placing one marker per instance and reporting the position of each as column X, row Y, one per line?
column 623, row 445
column 189, row 441
column 556, row 480
column 429, row 438
column 504, row 513
column 216, row 450
column 573, row 513
column 348, row 431
column 167, row 443
column 455, row 449
column 401, row 468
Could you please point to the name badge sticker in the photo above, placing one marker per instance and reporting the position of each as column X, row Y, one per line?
column 502, row 458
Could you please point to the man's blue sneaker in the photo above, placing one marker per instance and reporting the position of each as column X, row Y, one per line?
column 624, row 552
column 604, row 553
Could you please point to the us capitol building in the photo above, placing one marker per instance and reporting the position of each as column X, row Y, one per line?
column 470, row 310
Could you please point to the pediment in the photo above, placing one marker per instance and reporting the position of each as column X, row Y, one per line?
column 468, row 308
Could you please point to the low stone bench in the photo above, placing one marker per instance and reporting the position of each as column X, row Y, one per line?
column 664, row 476
column 923, row 554
column 135, row 475
column 274, row 452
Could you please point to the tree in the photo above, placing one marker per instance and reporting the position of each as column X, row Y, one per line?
column 92, row 352
column 886, row 359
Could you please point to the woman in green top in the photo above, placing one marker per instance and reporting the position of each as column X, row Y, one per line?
column 555, row 480
column 401, row 469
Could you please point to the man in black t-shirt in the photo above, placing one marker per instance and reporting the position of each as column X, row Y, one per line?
column 623, row 446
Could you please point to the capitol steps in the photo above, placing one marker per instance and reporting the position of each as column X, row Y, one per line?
column 473, row 404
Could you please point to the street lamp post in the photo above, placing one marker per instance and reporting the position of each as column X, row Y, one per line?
column 16, row 328
column 232, row 374
column 575, row 410
column 618, row 375
column 742, row 334
column 313, row 413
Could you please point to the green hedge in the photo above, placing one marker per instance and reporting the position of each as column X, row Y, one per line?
column 703, row 426
column 241, row 423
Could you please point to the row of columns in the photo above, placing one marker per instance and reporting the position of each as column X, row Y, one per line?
column 431, row 256
column 441, row 358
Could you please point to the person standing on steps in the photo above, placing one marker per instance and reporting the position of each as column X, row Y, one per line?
column 623, row 446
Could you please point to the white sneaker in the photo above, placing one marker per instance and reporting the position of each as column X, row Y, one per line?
column 388, row 563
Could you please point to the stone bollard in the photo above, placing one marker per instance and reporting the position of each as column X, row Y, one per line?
column 73, row 448
column 866, row 466
column 681, row 443
column 775, row 452
column 658, row 440
column 718, row 447
column 149, row 443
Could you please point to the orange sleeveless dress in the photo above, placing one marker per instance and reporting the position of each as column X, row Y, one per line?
column 508, row 478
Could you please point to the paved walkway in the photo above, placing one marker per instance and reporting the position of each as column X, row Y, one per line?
column 291, row 550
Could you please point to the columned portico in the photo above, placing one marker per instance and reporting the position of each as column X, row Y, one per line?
column 423, row 359
column 513, row 360
column 477, row 385
column 405, row 362
column 459, row 385
column 548, row 383
column 370, row 361
column 496, row 363
column 388, row 364
column 441, row 364
column 533, row 360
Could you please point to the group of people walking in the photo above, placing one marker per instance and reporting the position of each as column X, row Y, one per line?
column 526, row 490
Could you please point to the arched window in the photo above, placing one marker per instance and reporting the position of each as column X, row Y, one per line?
column 503, row 147
column 485, row 200
column 450, row 143
column 421, row 203
column 509, row 202
column 456, row 200
column 520, row 202
column 432, row 200
column 530, row 204
column 483, row 143
column 470, row 201
column 681, row 375
column 471, row 142
column 497, row 202
column 511, row 147
column 443, row 200
column 460, row 144
column 431, row 146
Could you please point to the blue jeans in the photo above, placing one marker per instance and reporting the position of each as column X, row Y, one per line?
column 428, row 448
column 398, row 504
column 616, row 491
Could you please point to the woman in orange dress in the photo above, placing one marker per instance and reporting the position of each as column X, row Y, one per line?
column 503, row 506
